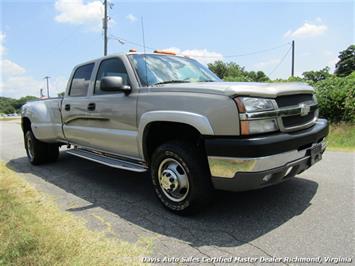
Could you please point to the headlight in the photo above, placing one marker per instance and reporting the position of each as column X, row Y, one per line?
column 254, row 105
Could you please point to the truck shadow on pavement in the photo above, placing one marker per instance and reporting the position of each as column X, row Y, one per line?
column 233, row 219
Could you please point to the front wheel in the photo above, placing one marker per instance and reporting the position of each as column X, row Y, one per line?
column 39, row 152
column 181, row 177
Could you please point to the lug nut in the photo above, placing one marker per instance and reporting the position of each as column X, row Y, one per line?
column 171, row 179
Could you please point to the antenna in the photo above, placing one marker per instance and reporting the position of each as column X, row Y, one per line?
column 144, row 56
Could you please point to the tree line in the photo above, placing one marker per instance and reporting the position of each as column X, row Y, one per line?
column 10, row 105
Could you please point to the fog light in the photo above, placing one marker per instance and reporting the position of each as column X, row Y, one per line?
column 267, row 178
column 288, row 171
column 262, row 126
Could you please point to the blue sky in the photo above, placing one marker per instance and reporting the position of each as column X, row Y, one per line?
column 40, row 38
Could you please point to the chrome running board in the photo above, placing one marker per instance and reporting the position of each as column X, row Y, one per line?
column 108, row 160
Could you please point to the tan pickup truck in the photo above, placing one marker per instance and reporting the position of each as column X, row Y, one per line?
column 171, row 115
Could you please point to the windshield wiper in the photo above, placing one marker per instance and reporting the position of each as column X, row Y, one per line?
column 171, row 81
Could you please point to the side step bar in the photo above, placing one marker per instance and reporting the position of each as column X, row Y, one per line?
column 107, row 160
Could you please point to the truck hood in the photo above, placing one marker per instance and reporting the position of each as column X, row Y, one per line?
column 270, row 90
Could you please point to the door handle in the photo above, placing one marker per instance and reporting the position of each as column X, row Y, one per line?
column 91, row 106
column 67, row 107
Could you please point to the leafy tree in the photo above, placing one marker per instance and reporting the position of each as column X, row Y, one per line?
column 10, row 106
column 315, row 76
column 233, row 72
column 258, row 76
column 346, row 63
column 219, row 68
column 61, row 94
column 336, row 98
column 18, row 103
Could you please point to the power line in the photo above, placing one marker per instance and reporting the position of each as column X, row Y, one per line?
column 123, row 41
column 249, row 53
column 281, row 61
column 291, row 45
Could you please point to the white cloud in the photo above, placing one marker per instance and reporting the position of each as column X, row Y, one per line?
column 308, row 29
column 78, row 12
column 202, row 55
column 15, row 83
column 10, row 68
column 23, row 85
column 18, row 86
column 331, row 63
column 131, row 18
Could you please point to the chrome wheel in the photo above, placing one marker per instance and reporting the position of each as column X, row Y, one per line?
column 30, row 147
column 173, row 180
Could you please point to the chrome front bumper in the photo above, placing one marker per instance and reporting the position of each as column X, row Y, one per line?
column 238, row 174
column 228, row 167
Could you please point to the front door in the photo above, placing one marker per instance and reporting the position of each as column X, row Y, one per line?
column 112, row 123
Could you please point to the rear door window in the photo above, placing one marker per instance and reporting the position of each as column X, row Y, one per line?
column 81, row 80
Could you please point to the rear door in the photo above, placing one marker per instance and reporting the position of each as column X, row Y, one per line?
column 112, row 118
column 75, row 104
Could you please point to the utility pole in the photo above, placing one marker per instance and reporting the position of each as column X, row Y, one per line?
column 293, row 59
column 105, row 28
column 47, row 78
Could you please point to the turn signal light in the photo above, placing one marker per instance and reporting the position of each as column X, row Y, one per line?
column 244, row 127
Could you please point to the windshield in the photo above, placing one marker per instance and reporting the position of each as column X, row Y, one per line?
column 155, row 69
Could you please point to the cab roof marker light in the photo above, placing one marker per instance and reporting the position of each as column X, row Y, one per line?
column 164, row 52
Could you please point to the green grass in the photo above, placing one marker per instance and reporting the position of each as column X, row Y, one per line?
column 9, row 118
column 342, row 137
column 33, row 231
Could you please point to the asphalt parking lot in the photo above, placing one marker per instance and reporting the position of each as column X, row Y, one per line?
column 309, row 216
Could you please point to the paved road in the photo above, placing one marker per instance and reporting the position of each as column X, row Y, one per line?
column 309, row 216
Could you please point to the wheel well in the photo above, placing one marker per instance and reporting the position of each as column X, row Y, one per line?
column 26, row 124
column 157, row 133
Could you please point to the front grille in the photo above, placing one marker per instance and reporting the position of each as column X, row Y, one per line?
column 290, row 100
column 296, row 121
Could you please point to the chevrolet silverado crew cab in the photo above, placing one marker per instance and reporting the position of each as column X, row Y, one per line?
column 171, row 115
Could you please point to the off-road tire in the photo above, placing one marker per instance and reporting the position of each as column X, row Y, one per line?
column 195, row 164
column 39, row 152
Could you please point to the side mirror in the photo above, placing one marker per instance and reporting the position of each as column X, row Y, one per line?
column 114, row 84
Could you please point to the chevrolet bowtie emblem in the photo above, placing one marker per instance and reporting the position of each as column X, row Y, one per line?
column 305, row 109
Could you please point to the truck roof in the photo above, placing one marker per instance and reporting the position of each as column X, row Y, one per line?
column 167, row 53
